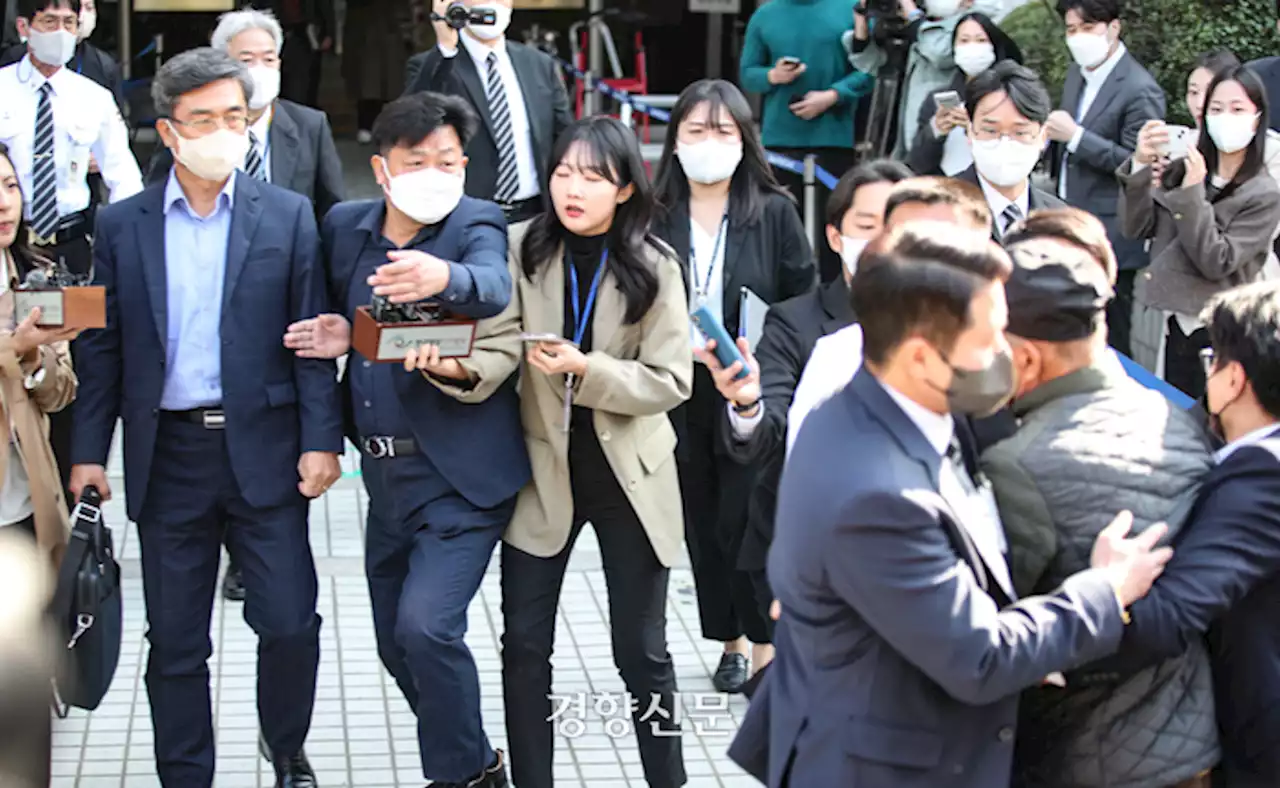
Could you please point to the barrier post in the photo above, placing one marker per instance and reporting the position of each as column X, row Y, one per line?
column 811, row 195
column 624, row 114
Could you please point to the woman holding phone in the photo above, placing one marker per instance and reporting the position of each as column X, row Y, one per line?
column 594, row 405
column 723, row 213
column 941, row 146
column 1211, row 219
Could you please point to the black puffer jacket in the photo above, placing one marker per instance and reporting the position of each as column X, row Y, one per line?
column 1089, row 445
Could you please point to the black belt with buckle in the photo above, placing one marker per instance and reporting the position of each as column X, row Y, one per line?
column 521, row 210
column 209, row 418
column 385, row 447
column 70, row 228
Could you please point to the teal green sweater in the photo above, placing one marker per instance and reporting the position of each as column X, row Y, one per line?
column 809, row 30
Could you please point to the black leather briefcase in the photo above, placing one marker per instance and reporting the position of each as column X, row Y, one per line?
column 87, row 610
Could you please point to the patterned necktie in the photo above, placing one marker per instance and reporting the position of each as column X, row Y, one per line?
column 253, row 163
column 503, row 135
column 44, row 194
column 1011, row 215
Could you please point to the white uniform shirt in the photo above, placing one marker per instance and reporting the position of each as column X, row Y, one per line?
column 86, row 121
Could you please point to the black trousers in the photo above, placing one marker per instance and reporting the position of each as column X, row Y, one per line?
column 1182, row 365
column 637, row 585
column 715, row 491
column 833, row 160
column 1120, row 313
column 299, row 68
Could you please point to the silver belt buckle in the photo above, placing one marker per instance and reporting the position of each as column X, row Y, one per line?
column 380, row 447
column 214, row 419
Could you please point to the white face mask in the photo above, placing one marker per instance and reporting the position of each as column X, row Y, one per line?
column 1005, row 162
column 709, row 161
column 214, row 156
column 1089, row 49
column 941, row 9
column 53, row 49
column 501, row 19
column 266, row 86
column 973, row 59
column 1232, row 133
column 425, row 196
column 851, row 250
column 88, row 23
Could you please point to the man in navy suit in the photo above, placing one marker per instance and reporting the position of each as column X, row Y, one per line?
column 226, row 433
column 1225, row 578
column 900, row 649
column 442, row 475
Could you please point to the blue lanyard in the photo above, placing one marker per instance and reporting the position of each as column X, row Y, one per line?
column 80, row 63
column 582, row 314
column 711, row 267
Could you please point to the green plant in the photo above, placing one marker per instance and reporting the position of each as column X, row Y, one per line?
column 1166, row 36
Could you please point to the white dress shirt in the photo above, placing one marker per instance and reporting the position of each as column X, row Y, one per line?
column 260, row 130
column 706, row 268
column 1251, row 439
column 997, row 202
column 1093, row 81
column 520, row 130
column 836, row 358
column 86, row 121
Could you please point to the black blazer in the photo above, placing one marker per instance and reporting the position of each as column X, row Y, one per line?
column 1224, row 579
column 314, row 12
column 1268, row 70
column 1037, row 200
column 791, row 329
column 1128, row 99
column 303, row 157
column 545, row 101
column 926, row 152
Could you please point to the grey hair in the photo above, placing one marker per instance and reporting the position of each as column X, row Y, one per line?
column 192, row 70
column 233, row 23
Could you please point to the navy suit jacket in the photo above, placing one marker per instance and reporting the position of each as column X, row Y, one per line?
column 479, row 448
column 895, row 664
column 277, row 405
column 1224, row 579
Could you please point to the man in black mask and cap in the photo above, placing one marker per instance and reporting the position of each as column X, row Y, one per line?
column 1091, row 442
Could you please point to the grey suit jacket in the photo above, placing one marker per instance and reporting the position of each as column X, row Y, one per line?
column 303, row 157
column 1128, row 99
column 896, row 664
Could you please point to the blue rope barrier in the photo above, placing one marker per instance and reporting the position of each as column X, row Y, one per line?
column 147, row 50
column 622, row 97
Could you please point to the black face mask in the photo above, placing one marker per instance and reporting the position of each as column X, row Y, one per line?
column 981, row 392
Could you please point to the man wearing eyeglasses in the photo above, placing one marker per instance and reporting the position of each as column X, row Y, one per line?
column 57, row 124
column 1008, row 107
column 227, row 434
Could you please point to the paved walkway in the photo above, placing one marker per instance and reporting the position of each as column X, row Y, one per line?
column 363, row 734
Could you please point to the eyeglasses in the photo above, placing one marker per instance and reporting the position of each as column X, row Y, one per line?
column 207, row 125
column 1025, row 136
column 1208, row 361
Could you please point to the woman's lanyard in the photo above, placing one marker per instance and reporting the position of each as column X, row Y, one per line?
column 581, row 317
column 700, row 293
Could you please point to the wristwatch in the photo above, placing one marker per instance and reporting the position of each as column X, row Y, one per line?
column 744, row 409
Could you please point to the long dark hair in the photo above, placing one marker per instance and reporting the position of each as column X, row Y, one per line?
column 1005, row 47
column 1255, row 158
column 24, row 257
column 610, row 150
column 753, row 181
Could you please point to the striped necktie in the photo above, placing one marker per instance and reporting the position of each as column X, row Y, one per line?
column 254, row 166
column 1010, row 216
column 44, row 194
column 503, row 135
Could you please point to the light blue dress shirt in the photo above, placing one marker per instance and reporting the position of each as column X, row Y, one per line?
column 195, row 262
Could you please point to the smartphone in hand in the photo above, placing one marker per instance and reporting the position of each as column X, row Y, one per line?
column 726, row 350
column 553, row 339
column 948, row 99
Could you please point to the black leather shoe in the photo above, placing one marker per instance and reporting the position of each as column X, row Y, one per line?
column 295, row 772
column 493, row 777
column 731, row 674
column 233, row 584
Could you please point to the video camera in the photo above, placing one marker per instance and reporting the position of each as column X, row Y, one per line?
column 885, row 19
column 458, row 16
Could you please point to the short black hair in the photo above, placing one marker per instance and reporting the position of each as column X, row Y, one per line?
column 919, row 280
column 966, row 198
column 1022, row 85
column 29, row 8
column 410, row 119
column 1092, row 11
column 1217, row 59
column 1244, row 326
column 876, row 171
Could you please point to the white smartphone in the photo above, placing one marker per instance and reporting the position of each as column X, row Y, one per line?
column 554, row 339
column 1181, row 138
column 790, row 62
column 948, row 99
